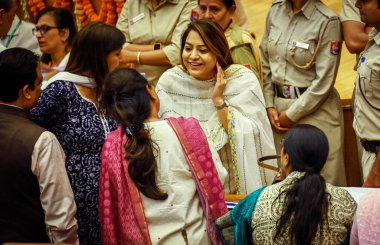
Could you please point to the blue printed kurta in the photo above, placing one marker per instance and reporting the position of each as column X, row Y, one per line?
column 76, row 123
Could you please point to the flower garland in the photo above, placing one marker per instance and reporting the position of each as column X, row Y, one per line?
column 35, row 6
column 86, row 13
column 84, row 10
column 119, row 6
column 66, row 4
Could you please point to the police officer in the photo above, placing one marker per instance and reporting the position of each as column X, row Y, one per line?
column 355, row 32
column 301, row 51
column 367, row 87
column 153, row 30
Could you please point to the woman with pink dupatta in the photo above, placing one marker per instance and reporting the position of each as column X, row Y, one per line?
column 161, row 181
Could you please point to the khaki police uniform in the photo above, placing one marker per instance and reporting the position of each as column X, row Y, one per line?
column 142, row 25
column 244, row 49
column 295, row 84
column 349, row 11
column 22, row 36
column 367, row 101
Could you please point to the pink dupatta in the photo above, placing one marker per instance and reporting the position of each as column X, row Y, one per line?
column 121, row 211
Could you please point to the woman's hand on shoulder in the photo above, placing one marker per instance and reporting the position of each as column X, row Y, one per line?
column 220, row 85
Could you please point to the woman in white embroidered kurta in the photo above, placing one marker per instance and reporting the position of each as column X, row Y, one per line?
column 177, row 180
column 193, row 90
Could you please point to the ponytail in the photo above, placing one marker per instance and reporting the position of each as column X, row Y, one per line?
column 142, row 162
column 125, row 97
column 306, row 202
column 306, row 207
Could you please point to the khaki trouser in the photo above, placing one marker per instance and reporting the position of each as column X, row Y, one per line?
column 329, row 118
column 368, row 158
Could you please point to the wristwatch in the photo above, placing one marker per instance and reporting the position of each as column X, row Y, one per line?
column 157, row 46
column 225, row 104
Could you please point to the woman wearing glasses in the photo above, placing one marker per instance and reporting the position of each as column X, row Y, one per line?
column 68, row 107
column 55, row 31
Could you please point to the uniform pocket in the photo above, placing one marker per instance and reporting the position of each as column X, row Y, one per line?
column 374, row 84
column 370, row 85
column 273, row 38
column 303, row 51
column 364, row 80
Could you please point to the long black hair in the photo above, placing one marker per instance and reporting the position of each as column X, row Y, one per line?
column 90, row 49
column 125, row 97
column 306, row 202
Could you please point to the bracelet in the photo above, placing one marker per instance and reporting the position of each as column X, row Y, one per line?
column 138, row 57
column 223, row 105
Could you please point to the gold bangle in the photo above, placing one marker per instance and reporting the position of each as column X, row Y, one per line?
column 138, row 57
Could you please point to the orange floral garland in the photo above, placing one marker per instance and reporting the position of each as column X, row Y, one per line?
column 84, row 10
column 66, row 4
column 108, row 12
column 35, row 6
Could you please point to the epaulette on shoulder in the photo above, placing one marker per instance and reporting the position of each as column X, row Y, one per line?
column 247, row 37
column 326, row 11
column 277, row 2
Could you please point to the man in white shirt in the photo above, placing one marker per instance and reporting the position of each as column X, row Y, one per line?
column 36, row 200
column 15, row 32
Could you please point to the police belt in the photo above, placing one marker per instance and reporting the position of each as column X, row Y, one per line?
column 371, row 146
column 288, row 91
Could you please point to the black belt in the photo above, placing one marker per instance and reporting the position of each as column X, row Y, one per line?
column 371, row 146
column 289, row 91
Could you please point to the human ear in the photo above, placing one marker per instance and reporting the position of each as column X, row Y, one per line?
column 2, row 12
column 65, row 33
column 152, row 92
column 26, row 92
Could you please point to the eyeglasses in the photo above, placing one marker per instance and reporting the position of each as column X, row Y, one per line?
column 43, row 29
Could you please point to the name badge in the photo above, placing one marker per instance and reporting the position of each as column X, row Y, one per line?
column 138, row 17
column 301, row 45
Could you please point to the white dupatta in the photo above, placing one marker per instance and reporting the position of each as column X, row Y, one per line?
column 250, row 134
column 67, row 76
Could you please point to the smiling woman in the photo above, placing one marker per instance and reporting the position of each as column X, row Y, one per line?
column 226, row 99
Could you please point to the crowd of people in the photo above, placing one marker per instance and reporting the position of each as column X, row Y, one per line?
column 134, row 134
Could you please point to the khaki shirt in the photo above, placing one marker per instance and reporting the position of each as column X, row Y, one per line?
column 366, row 118
column 244, row 49
column 349, row 11
column 284, row 31
column 142, row 25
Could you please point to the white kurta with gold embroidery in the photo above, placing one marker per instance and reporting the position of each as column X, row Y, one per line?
column 250, row 135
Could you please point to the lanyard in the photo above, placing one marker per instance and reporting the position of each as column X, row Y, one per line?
column 13, row 34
